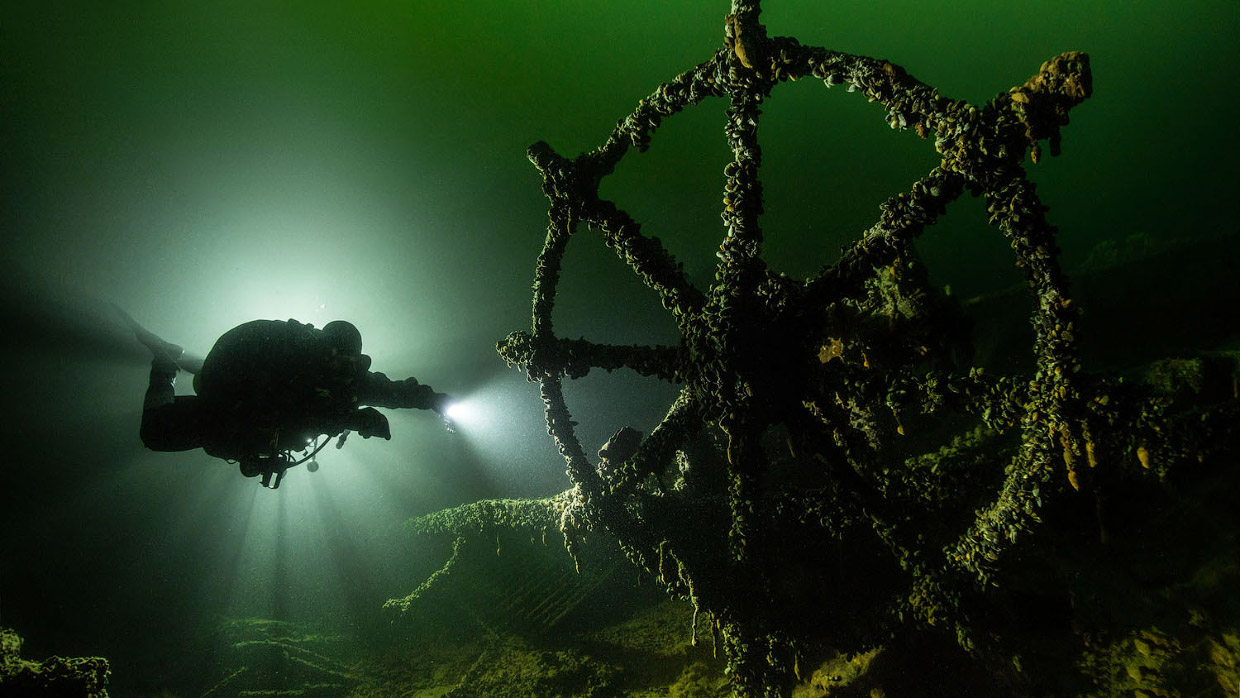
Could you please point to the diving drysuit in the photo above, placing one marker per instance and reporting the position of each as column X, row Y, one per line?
column 269, row 389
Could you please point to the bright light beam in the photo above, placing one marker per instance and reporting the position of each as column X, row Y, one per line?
column 466, row 413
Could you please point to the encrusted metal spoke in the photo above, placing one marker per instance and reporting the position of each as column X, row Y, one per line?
column 561, row 222
column 684, row 419
column 686, row 90
column 902, row 220
column 657, row 268
column 576, row 357
column 740, row 253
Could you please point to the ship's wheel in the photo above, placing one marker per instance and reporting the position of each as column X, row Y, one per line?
column 833, row 365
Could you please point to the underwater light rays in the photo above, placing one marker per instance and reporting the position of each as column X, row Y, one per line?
column 364, row 488
column 277, row 605
column 302, row 547
column 218, row 586
column 354, row 581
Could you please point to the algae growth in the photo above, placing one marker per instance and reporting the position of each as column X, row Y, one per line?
column 837, row 477
column 54, row 677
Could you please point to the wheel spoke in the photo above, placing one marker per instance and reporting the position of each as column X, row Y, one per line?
column 902, row 220
column 684, row 419
column 657, row 268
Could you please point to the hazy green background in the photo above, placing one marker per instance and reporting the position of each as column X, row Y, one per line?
column 203, row 164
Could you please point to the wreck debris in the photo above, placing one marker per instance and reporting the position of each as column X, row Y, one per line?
column 55, row 676
column 847, row 370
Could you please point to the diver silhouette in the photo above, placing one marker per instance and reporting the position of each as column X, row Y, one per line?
column 269, row 390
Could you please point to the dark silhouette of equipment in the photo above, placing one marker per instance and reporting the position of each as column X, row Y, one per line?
column 271, row 394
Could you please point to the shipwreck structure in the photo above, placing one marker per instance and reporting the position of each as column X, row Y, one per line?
column 836, row 475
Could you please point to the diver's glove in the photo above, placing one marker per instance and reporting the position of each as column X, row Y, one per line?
column 439, row 402
column 369, row 422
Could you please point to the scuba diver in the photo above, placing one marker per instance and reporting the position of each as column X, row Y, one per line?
column 268, row 391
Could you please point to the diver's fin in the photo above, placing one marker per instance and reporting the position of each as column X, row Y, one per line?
column 149, row 339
